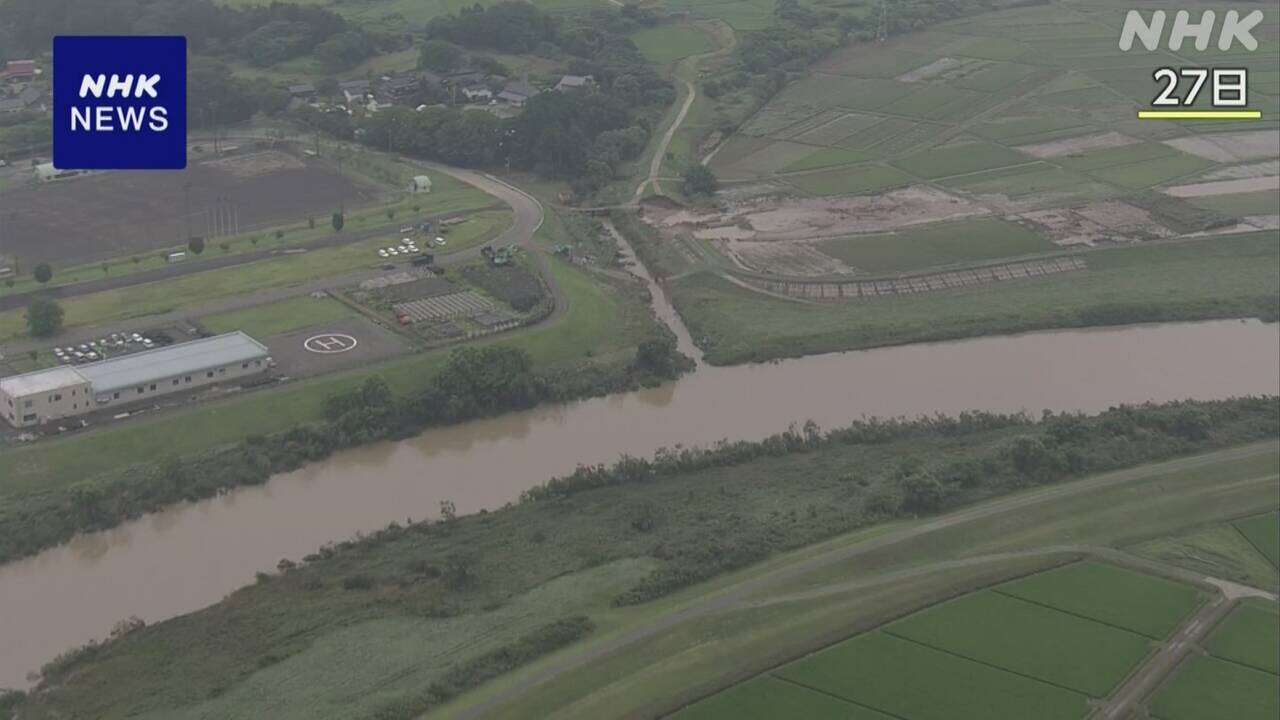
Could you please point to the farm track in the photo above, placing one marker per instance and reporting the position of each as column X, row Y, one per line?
column 740, row 594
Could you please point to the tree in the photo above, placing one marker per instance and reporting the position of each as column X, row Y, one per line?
column 699, row 181
column 922, row 493
column 196, row 245
column 43, row 273
column 439, row 55
column 337, row 222
column 44, row 317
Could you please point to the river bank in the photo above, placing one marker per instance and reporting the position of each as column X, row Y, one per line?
column 192, row 554
column 407, row 599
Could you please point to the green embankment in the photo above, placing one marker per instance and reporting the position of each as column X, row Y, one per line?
column 406, row 601
column 1220, row 277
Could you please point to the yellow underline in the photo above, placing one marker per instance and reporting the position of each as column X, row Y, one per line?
column 1199, row 114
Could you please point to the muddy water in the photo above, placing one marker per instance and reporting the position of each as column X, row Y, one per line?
column 192, row 555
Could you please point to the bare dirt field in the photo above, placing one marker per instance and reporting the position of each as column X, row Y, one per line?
column 793, row 259
column 118, row 213
column 937, row 67
column 1078, row 145
column 1226, row 187
column 1231, row 147
column 814, row 218
column 1099, row 222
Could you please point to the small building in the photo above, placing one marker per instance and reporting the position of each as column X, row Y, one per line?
column 477, row 93
column 12, row 105
column 355, row 91
column 572, row 82
column 43, row 396
column 302, row 91
column 46, row 172
column 46, row 395
column 400, row 89
column 420, row 184
column 517, row 93
column 19, row 70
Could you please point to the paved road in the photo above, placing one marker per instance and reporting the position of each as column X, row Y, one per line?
column 527, row 216
column 739, row 593
column 1143, row 682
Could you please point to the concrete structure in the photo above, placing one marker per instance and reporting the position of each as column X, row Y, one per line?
column 420, row 184
column 43, row 396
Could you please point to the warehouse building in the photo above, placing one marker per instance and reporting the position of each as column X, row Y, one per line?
column 43, row 396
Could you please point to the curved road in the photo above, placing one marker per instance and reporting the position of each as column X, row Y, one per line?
column 527, row 218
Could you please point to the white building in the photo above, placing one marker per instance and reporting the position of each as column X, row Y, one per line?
column 43, row 396
column 420, row 184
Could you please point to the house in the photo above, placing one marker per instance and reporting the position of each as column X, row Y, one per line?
column 463, row 77
column 30, row 96
column 517, row 93
column 12, row 105
column 20, row 70
column 354, row 90
column 400, row 89
column 571, row 82
column 302, row 91
column 420, row 184
column 477, row 93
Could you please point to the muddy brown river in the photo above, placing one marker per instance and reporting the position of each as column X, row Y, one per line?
column 193, row 554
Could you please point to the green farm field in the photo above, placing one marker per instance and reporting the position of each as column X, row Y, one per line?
column 964, row 96
column 1143, row 604
column 1207, row 688
column 1219, row 277
column 942, row 244
column 1249, row 636
column 666, row 43
column 1263, row 532
column 1028, row 639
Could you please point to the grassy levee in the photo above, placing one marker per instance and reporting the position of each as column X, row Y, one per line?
column 1218, row 277
column 694, row 656
column 415, row 604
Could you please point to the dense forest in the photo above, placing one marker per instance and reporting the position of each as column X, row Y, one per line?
column 583, row 136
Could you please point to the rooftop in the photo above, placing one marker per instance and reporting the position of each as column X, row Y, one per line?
column 166, row 362
column 40, row 381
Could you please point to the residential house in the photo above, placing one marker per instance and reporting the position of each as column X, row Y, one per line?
column 477, row 93
column 302, row 91
column 20, row 70
column 571, row 82
column 354, row 91
column 517, row 93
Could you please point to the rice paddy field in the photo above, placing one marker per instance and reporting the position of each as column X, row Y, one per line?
column 968, row 102
column 1238, row 678
column 1042, row 646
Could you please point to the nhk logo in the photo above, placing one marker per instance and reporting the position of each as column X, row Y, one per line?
column 119, row 102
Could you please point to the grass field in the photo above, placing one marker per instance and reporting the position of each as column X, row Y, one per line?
column 1250, row 636
column 189, row 292
column 1107, row 594
column 666, row 43
column 771, row 697
column 857, row 180
column 1228, row 276
column 1207, row 688
column 1218, row 550
column 278, row 317
column 940, row 244
column 1263, row 532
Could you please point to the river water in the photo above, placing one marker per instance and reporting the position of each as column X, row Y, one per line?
column 193, row 554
